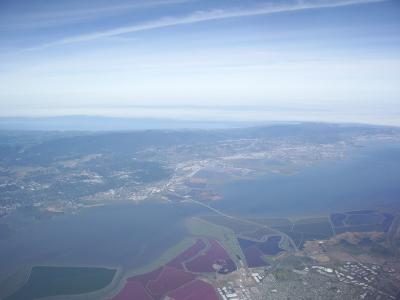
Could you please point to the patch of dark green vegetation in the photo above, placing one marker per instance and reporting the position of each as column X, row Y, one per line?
column 360, row 228
column 362, row 221
column 320, row 227
column 361, row 212
column 283, row 274
column 367, row 244
column 244, row 229
column 375, row 246
column 307, row 229
column 53, row 281
column 273, row 222
column 295, row 262
column 351, row 248
column 378, row 247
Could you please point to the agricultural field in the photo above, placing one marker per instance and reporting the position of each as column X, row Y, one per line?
column 51, row 281
column 182, row 272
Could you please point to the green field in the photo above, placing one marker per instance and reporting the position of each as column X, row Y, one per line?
column 272, row 222
column 358, row 219
column 316, row 226
column 225, row 236
column 245, row 229
column 299, row 230
column 359, row 228
column 302, row 230
column 52, row 281
column 258, row 234
column 236, row 226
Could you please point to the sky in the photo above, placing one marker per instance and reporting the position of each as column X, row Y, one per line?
column 318, row 60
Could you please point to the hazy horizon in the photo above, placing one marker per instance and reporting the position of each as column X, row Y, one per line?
column 313, row 60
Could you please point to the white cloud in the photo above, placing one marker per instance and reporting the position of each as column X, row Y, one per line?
column 203, row 16
column 61, row 16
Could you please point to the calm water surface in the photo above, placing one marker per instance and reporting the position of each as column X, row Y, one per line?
column 368, row 178
column 118, row 235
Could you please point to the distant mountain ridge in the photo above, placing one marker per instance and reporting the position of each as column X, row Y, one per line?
column 99, row 123
column 47, row 147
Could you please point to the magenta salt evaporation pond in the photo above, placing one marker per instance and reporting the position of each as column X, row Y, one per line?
column 173, row 280
column 178, row 261
column 133, row 290
column 195, row 290
column 169, row 279
column 216, row 254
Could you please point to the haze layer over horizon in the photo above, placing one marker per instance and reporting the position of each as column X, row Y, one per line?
column 280, row 60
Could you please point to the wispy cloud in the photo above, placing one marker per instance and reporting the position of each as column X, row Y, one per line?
column 67, row 16
column 209, row 15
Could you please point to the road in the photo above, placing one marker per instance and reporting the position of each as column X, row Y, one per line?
column 242, row 220
column 392, row 235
